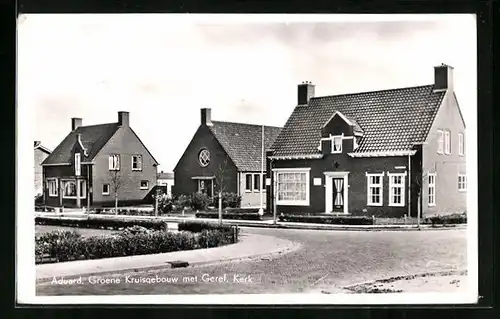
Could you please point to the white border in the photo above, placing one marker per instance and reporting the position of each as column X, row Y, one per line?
column 25, row 271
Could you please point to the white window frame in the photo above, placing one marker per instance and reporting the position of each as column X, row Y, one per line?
column 461, row 144
column 336, row 138
column 248, row 175
column 139, row 162
column 112, row 167
column 259, row 186
column 63, row 184
column 393, row 185
column 447, row 142
column 440, row 142
column 262, row 186
column 369, row 185
column 462, row 182
column 433, row 187
column 142, row 187
column 56, row 187
column 83, row 185
column 307, row 172
column 102, row 189
column 78, row 164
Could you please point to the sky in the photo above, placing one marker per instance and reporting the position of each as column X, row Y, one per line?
column 164, row 68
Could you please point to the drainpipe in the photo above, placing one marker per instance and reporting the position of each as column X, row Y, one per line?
column 409, row 185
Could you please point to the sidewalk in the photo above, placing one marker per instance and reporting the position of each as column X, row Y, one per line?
column 248, row 248
column 266, row 223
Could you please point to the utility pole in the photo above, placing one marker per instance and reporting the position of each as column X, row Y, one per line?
column 261, row 210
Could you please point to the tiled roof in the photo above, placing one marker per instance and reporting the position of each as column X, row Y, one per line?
column 38, row 145
column 165, row 175
column 243, row 142
column 391, row 120
column 93, row 138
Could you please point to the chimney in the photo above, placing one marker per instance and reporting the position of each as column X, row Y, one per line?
column 305, row 92
column 76, row 122
column 37, row 143
column 123, row 118
column 443, row 77
column 206, row 116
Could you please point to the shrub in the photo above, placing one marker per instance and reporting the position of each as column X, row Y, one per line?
column 38, row 199
column 65, row 246
column 99, row 222
column 165, row 204
column 231, row 200
column 240, row 216
column 336, row 220
column 197, row 227
column 447, row 219
column 182, row 201
column 199, row 201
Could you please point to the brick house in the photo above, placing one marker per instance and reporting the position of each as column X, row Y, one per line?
column 85, row 167
column 41, row 153
column 374, row 153
column 225, row 155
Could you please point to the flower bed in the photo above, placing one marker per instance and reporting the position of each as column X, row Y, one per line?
column 107, row 223
column 61, row 246
column 225, row 215
column 337, row 220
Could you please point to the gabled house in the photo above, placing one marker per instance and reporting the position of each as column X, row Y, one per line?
column 227, row 156
column 166, row 180
column 93, row 161
column 41, row 153
column 383, row 153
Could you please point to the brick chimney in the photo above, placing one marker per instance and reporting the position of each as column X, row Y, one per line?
column 305, row 92
column 443, row 77
column 206, row 116
column 76, row 122
column 123, row 118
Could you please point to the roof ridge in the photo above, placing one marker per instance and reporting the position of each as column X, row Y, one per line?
column 113, row 123
column 375, row 91
column 239, row 123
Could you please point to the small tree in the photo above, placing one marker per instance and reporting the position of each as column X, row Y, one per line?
column 116, row 183
column 221, row 179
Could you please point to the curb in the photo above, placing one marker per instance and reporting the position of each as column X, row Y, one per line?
column 291, row 247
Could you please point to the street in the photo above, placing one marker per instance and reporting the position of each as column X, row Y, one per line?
column 326, row 259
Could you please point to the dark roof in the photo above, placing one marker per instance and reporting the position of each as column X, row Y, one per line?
column 93, row 138
column 38, row 145
column 243, row 142
column 165, row 175
column 391, row 120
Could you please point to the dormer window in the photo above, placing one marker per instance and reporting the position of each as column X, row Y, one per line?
column 336, row 144
column 77, row 164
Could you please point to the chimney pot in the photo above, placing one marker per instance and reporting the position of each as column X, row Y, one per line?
column 305, row 92
column 123, row 118
column 76, row 122
column 206, row 116
column 443, row 77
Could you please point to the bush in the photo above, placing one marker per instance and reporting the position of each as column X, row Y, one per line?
column 38, row 199
column 66, row 246
column 447, row 219
column 165, row 204
column 198, row 227
column 231, row 200
column 336, row 220
column 199, row 201
column 93, row 222
column 240, row 216
column 182, row 202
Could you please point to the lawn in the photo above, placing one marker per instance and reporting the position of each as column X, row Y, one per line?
column 87, row 232
column 327, row 259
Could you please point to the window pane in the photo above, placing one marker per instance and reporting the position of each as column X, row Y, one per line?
column 248, row 182
column 256, row 181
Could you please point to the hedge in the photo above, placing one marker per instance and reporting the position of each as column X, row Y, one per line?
column 240, row 216
column 447, row 219
column 101, row 223
column 63, row 246
column 337, row 220
column 123, row 211
column 197, row 227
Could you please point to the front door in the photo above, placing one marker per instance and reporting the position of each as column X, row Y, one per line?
column 338, row 195
column 205, row 186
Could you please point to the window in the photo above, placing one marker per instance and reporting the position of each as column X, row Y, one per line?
column 137, row 162
column 144, row 184
column 69, row 189
column 52, row 185
column 77, row 164
column 462, row 182
column 204, row 158
column 440, row 142
column 105, row 189
column 114, row 162
column 397, row 189
column 256, row 183
column 83, row 188
column 293, row 187
column 337, row 144
column 248, row 182
column 432, row 189
column 461, row 144
column 375, row 189
column 263, row 182
column 447, row 142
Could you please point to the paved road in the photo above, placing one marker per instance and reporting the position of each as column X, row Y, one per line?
column 327, row 259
